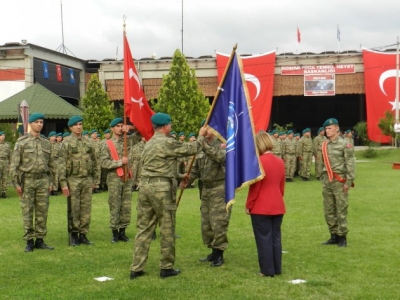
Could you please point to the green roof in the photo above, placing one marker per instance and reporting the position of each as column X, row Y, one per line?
column 41, row 100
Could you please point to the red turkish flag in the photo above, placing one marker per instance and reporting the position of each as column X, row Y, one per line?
column 380, row 90
column 259, row 75
column 136, row 106
column 58, row 72
column 298, row 35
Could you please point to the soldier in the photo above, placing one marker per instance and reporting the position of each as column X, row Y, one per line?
column 55, row 150
column 277, row 146
column 181, row 137
column 137, row 151
column 65, row 135
column 348, row 136
column 85, row 133
column 5, row 158
column 59, row 138
column 156, row 201
column 119, row 180
column 78, row 170
column 298, row 164
column 338, row 175
column 289, row 155
column 173, row 134
column 317, row 151
column 32, row 172
column 96, row 145
column 304, row 152
column 107, row 134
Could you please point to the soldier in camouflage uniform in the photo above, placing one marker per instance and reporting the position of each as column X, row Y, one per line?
column 156, row 200
column 5, row 158
column 32, row 172
column 317, row 151
column 96, row 145
column 289, row 155
column 137, row 162
column 277, row 150
column 78, row 170
column 55, row 150
column 119, row 187
column 304, row 152
column 348, row 136
column 338, row 175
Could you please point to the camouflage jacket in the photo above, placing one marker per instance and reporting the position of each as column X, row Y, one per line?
column 107, row 162
column 55, row 147
column 277, row 150
column 289, row 147
column 77, row 158
column 317, row 144
column 305, row 145
column 5, row 153
column 137, row 150
column 32, row 155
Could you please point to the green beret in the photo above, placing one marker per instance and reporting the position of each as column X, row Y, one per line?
column 59, row 134
column 85, row 132
column 330, row 121
column 274, row 131
column 348, row 131
column 296, row 134
column 160, row 119
column 65, row 134
column 321, row 129
column 289, row 132
column 116, row 121
column 107, row 131
column 93, row 131
column 282, row 133
column 73, row 120
column 181, row 133
column 306, row 130
column 35, row 116
column 1, row 132
column 172, row 133
column 191, row 134
column 42, row 135
column 52, row 133
column 98, row 135
column 202, row 123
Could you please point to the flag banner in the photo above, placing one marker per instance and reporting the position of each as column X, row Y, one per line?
column 45, row 66
column 318, row 69
column 231, row 119
column 380, row 90
column 71, row 76
column 319, row 85
column 136, row 106
column 24, row 114
column 338, row 33
column 20, row 123
column 259, row 76
column 298, row 35
column 58, row 72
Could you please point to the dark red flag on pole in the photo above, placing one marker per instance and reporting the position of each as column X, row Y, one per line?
column 58, row 71
column 136, row 106
column 298, row 35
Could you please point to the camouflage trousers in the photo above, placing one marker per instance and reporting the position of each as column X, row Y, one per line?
column 306, row 163
column 137, row 170
column 335, row 206
column 55, row 178
column 214, row 217
column 103, row 177
column 319, row 164
column 80, row 189
column 3, row 176
column 119, row 200
column 290, row 165
column 35, row 200
column 156, row 203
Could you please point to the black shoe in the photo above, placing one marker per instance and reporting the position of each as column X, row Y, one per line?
column 318, row 178
column 154, row 236
column 333, row 240
column 54, row 193
column 164, row 273
column 39, row 244
column 3, row 195
column 342, row 241
column 95, row 191
column 29, row 246
column 136, row 274
column 287, row 179
column 83, row 239
column 75, row 239
column 209, row 257
column 115, row 237
column 218, row 259
column 134, row 188
column 122, row 236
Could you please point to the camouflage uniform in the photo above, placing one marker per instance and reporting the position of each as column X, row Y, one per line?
column 119, row 192
column 289, row 155
column 136, row 162
column 5, row 158
column 277, row 146
column 55, row 150
column 96, row 146
column 342, row 161
column 156, row 200
column 210, row 167
column 32, row 168
column 78, row 170
column 317, row 151
column 304, row 149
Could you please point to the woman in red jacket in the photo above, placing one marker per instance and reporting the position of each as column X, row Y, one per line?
column 266, row 207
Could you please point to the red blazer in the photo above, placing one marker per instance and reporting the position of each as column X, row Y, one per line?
column 266, row 196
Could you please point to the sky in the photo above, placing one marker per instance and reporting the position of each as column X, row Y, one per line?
column 93, row 28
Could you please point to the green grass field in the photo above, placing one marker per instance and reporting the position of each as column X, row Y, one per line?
column 367, row 269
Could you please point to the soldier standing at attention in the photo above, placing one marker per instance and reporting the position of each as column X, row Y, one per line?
column 107, row 134
column 78, row 170
column 304, row 152
column 348, row 136
column 317, row 151
column 96, row 145
column 55, row 150
column 32, row 171
column 156, row 200
column 277, row 146
column 298, row 165
column 338, row 175
column 289, row 155
column 5, row 158
column 119, row 183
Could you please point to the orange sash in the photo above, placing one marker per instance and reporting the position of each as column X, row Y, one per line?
column 114, row 156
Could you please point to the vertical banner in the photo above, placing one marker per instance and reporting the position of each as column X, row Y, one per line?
column 71, row 76
column 45, row 66
column 380, row 90
column 259, row 75
column 58, row 72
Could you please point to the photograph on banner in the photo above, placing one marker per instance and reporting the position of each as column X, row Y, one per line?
column 319, row 85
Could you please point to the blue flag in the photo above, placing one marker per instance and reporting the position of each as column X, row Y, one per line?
column 45, row 70
column 71, row 76
column 231, row 118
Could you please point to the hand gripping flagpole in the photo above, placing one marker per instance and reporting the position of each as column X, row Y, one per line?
column 178, row 200
column 125, row 137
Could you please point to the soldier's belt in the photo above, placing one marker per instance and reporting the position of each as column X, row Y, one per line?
column 213, row 184
column 155, row 179
column 36, row 175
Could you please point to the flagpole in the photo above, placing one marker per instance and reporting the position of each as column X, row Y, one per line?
column 125, row 137
column 397, row 80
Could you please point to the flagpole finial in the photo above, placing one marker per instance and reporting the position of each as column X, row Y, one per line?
column 124, row 18
column 235, row 47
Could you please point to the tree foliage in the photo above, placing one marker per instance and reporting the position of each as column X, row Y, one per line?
column 98, row 111
column 10, row 132
column 386, row 124
column 181, row 98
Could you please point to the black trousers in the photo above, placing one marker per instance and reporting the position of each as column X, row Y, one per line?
column 267, row 232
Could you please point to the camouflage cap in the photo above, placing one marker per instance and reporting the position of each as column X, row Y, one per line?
column 35, row 116
column 330, row 121
column 160, row 119
column 73, row 120
column 115, row 122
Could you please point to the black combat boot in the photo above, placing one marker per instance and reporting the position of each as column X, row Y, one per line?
column 74, row 239
column 137, row 274
column 154, row 236
column 83, row 239
column 39, row 244
column 122, row 235
column 342, row 241
column 219, row 258
column 333, row 240
column 3, row 195
column 209, row 257
column 164, row 273
column 115, row 237
column 29, row 246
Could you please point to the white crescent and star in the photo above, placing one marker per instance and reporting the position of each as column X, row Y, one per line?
column 133, row 74
column 254, row 80
column 385, row 75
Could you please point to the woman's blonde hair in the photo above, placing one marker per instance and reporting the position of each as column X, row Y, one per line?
column 263, row 142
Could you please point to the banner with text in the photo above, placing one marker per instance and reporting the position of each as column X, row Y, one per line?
column 318, row 69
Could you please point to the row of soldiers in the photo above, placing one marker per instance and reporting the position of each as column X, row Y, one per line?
column 298, row 151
